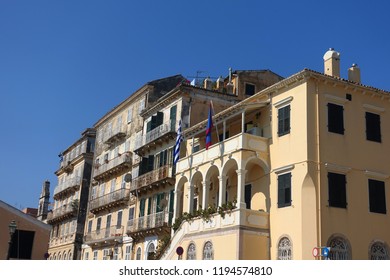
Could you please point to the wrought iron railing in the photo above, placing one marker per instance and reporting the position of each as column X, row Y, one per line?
column 72, row 182
column 161, row 130
column 115, row 196
column 108, row 165
column 148, row 222
column 104, row 234
column 151, row 177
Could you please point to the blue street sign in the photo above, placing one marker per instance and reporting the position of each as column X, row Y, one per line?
column 325, row 251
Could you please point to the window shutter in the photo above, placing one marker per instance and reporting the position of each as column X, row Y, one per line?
column 142, row 207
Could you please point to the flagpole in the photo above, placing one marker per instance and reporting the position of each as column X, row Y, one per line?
column 216, row 126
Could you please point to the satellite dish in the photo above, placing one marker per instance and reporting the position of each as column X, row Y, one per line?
column 128, row 178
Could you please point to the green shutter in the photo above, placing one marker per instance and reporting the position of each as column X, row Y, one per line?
column 142, row 207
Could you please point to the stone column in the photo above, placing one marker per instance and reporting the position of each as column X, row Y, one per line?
column 241, row 188
column 222, row 190
column 176, row 203
column 190, row 198
column 205, row 194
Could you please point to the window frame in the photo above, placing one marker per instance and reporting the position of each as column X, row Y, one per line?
column 285, row 184
column 373, row 127
column 335, row 111
column 332, row 195
column 380, row 194
column 284, row 120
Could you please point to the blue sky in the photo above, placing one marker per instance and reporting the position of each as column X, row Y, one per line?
column 64, row 64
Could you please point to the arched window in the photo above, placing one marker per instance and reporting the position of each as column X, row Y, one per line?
column 339, row 249
column 59, row 256
column 138, row 256
column 191, row 252
column 378, row 251
column 208, row 251
column 69, row 255
column 284, row 249
column 64, row 256
column 151, row 251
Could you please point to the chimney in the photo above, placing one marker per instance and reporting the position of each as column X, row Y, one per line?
column 332, row 63
column 208, row 83
column 354, row 74
column 219, row 83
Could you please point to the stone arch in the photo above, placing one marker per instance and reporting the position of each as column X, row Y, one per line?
column 150, row 251
column 230, row 179
column 181, row 191
column 212, row 186
column 257, row 184
column 196, row 184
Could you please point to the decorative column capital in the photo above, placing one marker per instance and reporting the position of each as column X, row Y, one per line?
column 241, row 171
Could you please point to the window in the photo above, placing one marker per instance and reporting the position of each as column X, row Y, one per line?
column 339, row 249
column 141, row 106
column 138, row 256
column 208, row 252
column 284, row 120
column 119, row 220
column 98, row 224
column 373, row 127
column 284, row 190
column 95, row 255
column 284, row 249
column 335, row 118
column 151, row 251
column 378, row 251
column 89, row 226
column 106, row 254
column 86, row 256
column 250, row 89
column 128, row 252
column 129, row 114
column 377, row 198
column 116, row 254
column 337, row 190
column 191, row 252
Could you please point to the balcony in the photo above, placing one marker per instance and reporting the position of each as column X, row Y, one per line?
column 155, row 178
column 237, row 143
column 68, row 187
column 67, row 238
column 62, row 213
column 112, row 167
column 116, row 134
column 110, row 235
column 158, row 135
column 153, row 224
column 107, row 201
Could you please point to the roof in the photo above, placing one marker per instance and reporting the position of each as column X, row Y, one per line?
column 287, row 82
column 24, row 216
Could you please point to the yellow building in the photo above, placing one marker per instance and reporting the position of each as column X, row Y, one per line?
column 300, row 164
column 67, row 217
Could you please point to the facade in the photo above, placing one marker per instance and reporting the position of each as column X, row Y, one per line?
column 300, row 164
column 70, row 199
column 29, row 242
column 111, row 204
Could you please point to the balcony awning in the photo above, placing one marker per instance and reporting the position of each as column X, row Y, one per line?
column 225, row 115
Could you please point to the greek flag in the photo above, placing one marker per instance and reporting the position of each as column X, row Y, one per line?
column 179, row 139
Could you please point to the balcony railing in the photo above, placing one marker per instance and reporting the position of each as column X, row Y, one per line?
column 113, row 233
column 155, row 177
column 113, row 166
column 62, row 213
column 109, row 200
column 239, row 142
column 116, row 133
column 145, row 225
column 165, row 129
column 68, row 185
column 66, row 238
